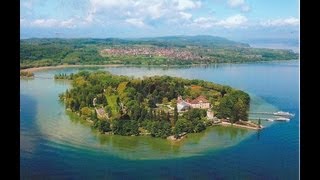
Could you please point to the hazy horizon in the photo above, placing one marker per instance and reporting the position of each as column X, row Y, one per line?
column 273, row 43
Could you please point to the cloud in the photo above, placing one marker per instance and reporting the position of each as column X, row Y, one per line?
column 140, row 13
column 187, row 4
column 155, row 11
column 239, row 4
column 27, row 4
column 236, row 3
column 136, row 22
column 50, row 23
column 142, row 10
column 185, row 15
column 23, row 22
column 281, row 22
column 233, row 21
column 204, row 22
column 89, row 18
column 70, row 23
column 110, row 3
column 230, row 22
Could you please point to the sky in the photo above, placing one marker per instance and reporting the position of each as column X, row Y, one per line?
column 234, row 19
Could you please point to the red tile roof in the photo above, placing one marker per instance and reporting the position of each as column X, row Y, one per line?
column 194, row 101
column 198, row 100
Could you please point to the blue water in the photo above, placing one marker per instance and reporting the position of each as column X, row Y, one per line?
column 54, row 145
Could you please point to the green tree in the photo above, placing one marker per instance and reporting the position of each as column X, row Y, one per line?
column 125, row 127
column 165, row 100
column 104, row 126
column 160, row 129
column 135, row 112
column 118, row 101
column 101, row 99
column 183, row 125
column 199, row 126
column 94, row 116
column 225, row 107
column 239, row 111
column 194, row 114
column 150, row 114
column 108, row 111
column 86, row 112
column 173, row 102
column 109, row 91
column 175, row 114
column 168, row 117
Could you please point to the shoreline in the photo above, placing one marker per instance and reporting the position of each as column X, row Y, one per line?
column 241, row 126
column 171, row 138
column 34, row 69
column 123, row 65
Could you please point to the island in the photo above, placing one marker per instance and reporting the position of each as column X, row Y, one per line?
column 161, row 51
column 159, row 106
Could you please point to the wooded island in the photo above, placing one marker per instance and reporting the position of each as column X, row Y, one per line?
column 159, row 106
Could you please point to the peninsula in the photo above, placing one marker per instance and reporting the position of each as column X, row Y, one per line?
column 160, row 106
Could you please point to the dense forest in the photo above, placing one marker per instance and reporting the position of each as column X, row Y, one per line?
column 131, row 106
column 199, row 50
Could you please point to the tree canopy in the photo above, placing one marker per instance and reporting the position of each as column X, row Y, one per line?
column 182, row 51
column 135, row 104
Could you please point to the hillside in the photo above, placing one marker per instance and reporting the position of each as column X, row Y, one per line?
column 200, row 40
column 171, row 50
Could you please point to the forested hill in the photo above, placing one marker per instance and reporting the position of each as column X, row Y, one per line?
column 166, row 41
column 183, row 41
column 171, row 50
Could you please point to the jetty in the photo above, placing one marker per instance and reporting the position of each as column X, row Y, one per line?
column 273, row 116
column 279, row 113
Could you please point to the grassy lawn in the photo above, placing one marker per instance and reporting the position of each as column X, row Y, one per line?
column 112, row 102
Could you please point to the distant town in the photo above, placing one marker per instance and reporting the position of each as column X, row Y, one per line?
column 173, row 53
column 174, row 50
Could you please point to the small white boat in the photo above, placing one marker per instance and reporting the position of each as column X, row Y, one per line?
column 281, row 119
column 269, row 119
column 282, row 113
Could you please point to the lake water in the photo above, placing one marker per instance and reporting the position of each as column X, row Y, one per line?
column 57, row 145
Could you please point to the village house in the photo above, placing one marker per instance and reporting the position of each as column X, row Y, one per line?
column 182, row 105
column 200, row 102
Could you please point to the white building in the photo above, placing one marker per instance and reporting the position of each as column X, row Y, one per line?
column 200, row 102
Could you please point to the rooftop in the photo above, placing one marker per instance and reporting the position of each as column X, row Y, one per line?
column 200, row 99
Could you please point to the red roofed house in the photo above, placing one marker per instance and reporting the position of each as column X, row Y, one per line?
column 200, row 102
